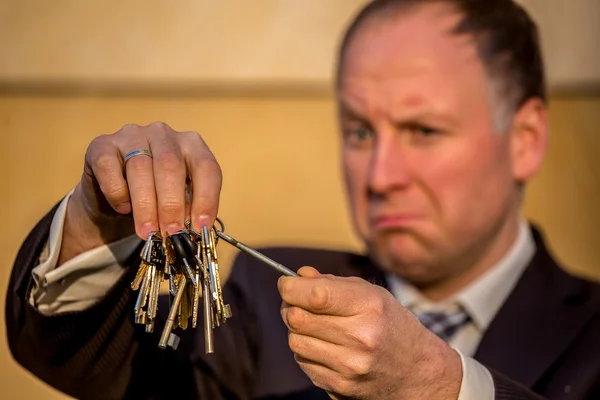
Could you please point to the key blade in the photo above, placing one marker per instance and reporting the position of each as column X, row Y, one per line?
column 256, row 254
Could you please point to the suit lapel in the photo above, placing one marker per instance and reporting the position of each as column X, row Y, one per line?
column 543, row 314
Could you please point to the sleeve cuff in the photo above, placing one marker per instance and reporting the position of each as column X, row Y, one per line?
column 81, row 281
column 477, row 382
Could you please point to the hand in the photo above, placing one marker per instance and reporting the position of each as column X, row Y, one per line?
column 114, row 199
column 354, row 340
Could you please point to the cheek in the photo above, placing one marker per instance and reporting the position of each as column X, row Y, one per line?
column 473, row 184
column 356, row 175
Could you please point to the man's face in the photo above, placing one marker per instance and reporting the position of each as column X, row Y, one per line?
column 428, row 179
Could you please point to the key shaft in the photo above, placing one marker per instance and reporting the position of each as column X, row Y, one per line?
column 256, row 254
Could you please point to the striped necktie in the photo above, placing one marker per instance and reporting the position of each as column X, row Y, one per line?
column 445, row 325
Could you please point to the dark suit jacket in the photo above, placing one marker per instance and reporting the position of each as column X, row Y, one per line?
column 545, row 339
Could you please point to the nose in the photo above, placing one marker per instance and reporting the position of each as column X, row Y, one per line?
column 389, row 168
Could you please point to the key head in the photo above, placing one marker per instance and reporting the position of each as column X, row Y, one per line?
column 182, row 252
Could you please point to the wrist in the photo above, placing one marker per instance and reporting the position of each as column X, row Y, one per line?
column 82, row 233
column 440, row 371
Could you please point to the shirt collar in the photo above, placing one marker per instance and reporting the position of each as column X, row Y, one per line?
column 483, row 298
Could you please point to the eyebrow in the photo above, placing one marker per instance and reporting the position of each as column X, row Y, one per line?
column 427, row 116
column 346, row 111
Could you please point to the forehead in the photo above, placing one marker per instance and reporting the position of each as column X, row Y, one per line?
column 412, row 55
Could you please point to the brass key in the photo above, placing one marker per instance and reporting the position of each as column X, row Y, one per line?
column 189, row 261
column 166, row 337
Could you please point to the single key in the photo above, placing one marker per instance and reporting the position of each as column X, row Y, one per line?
column 141, row 316
column 147, row 280
column 181, row 320
column 184, row 255
column 225, row 308
column 256, row 254
column 146, row 249
column 165, row 337
column 157, row 278
column 197, row 292
column 135, row 284
column 209, row 346
column 142, row 297
column 139, row 276
column 155, row 253
column 189, row 238
column 209, row 250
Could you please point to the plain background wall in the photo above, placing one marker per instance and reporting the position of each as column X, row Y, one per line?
column 277, row 142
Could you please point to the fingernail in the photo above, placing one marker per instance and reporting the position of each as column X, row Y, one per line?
column 124, row 208
column 201, row 221
column 147, row 228
column 172, row 228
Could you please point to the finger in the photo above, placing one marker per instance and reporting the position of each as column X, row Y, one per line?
column 103, row 167
column 309, row 272
column 140, row 180
column 170, row 174
column 188, row 202
column 332, row 329
column 206, row 177
column 324, row 376
column 324, row 294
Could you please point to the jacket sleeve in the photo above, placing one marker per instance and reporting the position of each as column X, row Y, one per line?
column 99, row 353
column 507, row 389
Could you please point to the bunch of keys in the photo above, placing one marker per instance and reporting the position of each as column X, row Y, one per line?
column 188, row 261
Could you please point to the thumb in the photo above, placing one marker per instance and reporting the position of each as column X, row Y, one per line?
column 309, row 272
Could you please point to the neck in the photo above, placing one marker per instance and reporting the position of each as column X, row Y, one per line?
column 480, row 260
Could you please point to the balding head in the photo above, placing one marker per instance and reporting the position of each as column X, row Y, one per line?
column 506, row 40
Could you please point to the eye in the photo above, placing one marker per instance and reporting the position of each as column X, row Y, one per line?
column 362, row 133
column 423, row 130
column 358, row 134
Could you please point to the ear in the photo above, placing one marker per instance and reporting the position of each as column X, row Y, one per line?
column 529, row 139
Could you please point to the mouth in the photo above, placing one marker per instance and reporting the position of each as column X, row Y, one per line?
column 395, row 221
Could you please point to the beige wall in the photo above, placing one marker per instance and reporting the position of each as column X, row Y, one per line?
column 278, row 149
column 207, row 41
column 280, row 162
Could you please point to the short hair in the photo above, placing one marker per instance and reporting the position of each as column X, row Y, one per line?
column 507, row 41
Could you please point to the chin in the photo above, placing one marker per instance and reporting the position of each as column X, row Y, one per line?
column 405, row 256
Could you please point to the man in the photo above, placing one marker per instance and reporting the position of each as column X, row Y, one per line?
column 442, row 109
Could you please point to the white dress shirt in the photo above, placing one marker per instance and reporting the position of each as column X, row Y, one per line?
column 84, row 280
column 481, row 300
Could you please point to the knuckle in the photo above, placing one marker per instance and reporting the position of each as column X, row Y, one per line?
column 368, row 338
column 160, row 126
column 295, row 342
column 210, row 165
column 284, row 287
column 169, row 160
column 115, row 192
column 168, row 207
column 340, row 386
column 129, row 128
column 192, row 137
column 319, row 296
column 296, row 318
column 101, row 161
column 377, row 306
column 358, row 367
column 96, row 147
column 99, row 141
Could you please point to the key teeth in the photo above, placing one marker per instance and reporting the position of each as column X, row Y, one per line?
column 189, row 259
column 141, row 317
column 227, row 311
column 150, row 327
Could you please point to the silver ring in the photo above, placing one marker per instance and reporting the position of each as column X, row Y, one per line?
column 138, row 152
